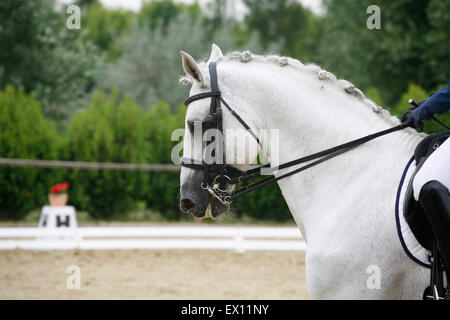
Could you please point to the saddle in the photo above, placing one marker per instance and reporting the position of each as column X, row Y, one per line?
column 429, row 220
column 412, row 210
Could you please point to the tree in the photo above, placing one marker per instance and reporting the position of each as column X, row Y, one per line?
column 436, row 53
column 159, row 13
column 150, row 67
column 25, row 134
column 39, row 54
column 374, row 95
column 411, row 46
column 163, row 188
column 110, row 130
column 105, row 26
column 285, row 21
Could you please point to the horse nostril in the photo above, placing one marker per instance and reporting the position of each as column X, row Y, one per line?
column 186, row 205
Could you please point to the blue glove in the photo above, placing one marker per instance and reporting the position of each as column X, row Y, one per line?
column 438, row 103
column 422, row 112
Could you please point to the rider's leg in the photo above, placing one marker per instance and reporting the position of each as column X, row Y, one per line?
column 436, row 167
column 435, row 200
column 431, row 188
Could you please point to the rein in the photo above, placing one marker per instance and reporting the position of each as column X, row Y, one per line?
column 226, row 174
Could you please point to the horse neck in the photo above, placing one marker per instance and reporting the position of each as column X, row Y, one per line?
column 312, row 115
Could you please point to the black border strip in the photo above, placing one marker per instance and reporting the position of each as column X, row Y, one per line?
column 397, row 218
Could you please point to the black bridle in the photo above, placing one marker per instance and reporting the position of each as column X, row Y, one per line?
column 218, row 176
column 222, row 174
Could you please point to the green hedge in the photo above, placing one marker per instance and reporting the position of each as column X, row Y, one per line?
column 109, row 130
column 24, row 133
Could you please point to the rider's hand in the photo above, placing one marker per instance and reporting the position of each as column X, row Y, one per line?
column 419, row 114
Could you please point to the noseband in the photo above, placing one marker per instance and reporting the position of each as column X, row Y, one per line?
column 218, row 176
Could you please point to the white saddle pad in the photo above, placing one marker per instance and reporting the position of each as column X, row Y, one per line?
column 409, row 242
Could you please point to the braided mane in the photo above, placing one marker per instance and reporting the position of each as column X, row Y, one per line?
column 321, row 74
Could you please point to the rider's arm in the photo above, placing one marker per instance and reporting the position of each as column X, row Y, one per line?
column 438, row 103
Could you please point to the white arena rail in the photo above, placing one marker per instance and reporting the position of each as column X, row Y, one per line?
column 240, row 239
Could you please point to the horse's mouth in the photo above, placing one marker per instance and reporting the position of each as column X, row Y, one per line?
column 206, row 202
column 214, row 209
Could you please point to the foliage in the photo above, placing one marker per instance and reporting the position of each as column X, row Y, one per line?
column 163, row 189
column 414, row 92
column 39, row 54
column 24, row 134
column 108, row 131
column 411, row 46
column 436, row 55
column 150, row 67
column 105, row 27
column 159, row 13
column 285, row 21
column 374, row 95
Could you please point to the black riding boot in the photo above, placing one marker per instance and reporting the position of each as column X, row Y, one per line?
column 435, row 200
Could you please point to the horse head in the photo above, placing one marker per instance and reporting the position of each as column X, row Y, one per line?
column 216, row 140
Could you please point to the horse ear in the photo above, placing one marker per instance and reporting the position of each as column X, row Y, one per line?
column 216, row 53
column 191, row 68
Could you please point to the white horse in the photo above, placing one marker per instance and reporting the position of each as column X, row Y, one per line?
column 344, row 207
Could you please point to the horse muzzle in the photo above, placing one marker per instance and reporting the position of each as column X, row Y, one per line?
column 203, row 199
